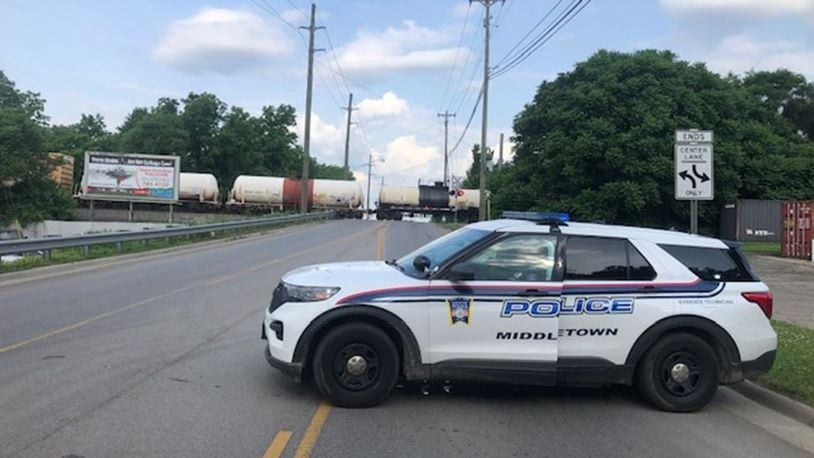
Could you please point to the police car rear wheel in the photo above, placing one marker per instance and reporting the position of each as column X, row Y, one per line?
column 356, row 365
column 679, row 373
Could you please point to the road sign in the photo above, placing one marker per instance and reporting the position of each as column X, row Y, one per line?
column 694, row 172
column 693, row 136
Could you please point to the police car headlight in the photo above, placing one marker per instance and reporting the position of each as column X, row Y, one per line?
column 296, row 293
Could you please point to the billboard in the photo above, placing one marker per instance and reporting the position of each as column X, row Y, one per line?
column 130, row 177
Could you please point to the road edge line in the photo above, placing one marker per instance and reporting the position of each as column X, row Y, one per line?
column 776, row 401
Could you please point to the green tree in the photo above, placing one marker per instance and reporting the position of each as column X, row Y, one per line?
column 330, row 172
column 159, row 130
column 238, row 148
column 28, row 194
column 89, row 134
column 472, row 180
column 598, row 142
column 202, row 117
column 787, row 93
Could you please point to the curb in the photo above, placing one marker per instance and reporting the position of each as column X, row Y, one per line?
column 775, row 401
column 70, row 268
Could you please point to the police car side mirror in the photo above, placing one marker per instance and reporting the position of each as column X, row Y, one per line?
column 421, row 263
column 461, row 272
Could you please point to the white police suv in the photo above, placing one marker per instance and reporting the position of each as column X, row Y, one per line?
column 545, row 302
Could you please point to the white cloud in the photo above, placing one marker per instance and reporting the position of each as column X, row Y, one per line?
column 221, row 41
column 409, row 47
column 293, row 16
column 460, row 10
column 741, row 53
column 327, row 140
column 743, row 7
column 388, row 105
column 405, row 157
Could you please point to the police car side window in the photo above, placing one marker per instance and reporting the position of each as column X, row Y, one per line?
column 605, row 259
column 712, row 263
column 527, row 257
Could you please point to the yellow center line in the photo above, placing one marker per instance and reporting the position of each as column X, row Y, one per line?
column 309, row 439
column 205, row 283
column 380, row 239
column 224, row 278
column 92, row 319
column 277, row 446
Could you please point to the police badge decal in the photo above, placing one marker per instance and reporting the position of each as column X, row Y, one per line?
column 459, row 310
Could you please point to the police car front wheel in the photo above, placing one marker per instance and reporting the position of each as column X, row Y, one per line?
column 356, row 365
column 679, row 373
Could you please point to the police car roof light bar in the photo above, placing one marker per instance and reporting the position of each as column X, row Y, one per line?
column 551, row 218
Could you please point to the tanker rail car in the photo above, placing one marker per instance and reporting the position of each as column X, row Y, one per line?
column 261, row 193
column 199, row 193
column 436, row 200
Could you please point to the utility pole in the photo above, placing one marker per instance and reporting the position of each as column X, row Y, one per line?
column 369, row 175
column 486, row 17
column 369, row 178
column 306, row 142
column 349, row 109
column 446, row 115
column 500, row 148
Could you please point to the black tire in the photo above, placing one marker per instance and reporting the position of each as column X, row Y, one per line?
column 333, row 377
column 658, row 385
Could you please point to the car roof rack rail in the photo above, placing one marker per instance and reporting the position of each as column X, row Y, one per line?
column 544, row 218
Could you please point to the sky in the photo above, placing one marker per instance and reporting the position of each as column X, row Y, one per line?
column 404, row 61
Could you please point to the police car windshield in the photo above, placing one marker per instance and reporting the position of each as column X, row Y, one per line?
column 441, row 249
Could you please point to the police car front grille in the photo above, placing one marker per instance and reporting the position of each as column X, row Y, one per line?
column 278, row 298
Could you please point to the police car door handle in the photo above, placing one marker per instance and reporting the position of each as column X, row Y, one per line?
column 647, row 289
column 529, row 292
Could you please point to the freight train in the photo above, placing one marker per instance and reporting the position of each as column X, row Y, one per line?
column 437, row 200
column 261, row 192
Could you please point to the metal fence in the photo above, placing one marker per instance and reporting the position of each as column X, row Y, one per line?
column 45, row 245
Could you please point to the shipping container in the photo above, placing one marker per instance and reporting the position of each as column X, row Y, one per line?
column 751, row 220
column 797, row 233
column 62, row 173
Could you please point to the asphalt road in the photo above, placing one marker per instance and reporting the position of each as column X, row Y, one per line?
column 162, row 357
column 791, row 283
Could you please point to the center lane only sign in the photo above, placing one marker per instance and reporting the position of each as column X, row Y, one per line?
column 694, row 173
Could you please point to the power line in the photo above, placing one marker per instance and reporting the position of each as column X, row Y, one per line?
column 266, row 6
column 296, row 7
column 465, row 92
column 457, row 52
column 561, row 21
column 538, row 24
column 468, row 123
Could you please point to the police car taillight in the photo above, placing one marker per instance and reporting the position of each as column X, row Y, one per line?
column 763, row 299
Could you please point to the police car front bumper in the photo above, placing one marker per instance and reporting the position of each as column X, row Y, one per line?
column 294, row 370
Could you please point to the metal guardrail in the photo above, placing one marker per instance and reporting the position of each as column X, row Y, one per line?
column 85, row 241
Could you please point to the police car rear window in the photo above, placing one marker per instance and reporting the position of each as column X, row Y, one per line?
column 600, row 258
column 711, row 264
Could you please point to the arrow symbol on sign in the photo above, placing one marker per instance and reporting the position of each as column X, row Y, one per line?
column 686, row 176
column 703, row 177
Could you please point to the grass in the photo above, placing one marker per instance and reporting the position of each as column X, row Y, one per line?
column 793, row 371
column 67, row 255
column 766, row 248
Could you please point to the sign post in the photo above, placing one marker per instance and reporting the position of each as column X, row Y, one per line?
column 694, row 170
